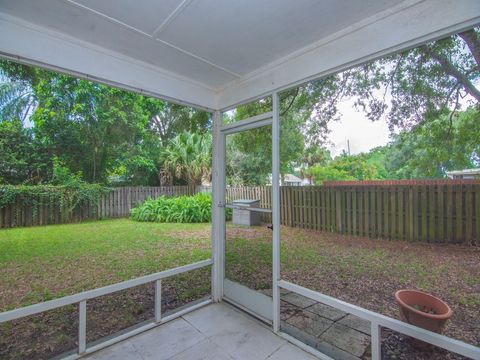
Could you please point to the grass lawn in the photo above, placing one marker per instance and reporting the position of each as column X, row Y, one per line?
column 42, row 263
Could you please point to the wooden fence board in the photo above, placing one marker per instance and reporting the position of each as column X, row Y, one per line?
column 443, row 212
column 458, row 213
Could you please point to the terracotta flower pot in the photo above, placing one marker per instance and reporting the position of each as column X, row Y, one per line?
column 423, row 310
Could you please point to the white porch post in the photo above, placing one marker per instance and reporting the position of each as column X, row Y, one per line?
column 218, row 208
column 276, row 210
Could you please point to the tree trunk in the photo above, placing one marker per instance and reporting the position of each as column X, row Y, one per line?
column 473, row 42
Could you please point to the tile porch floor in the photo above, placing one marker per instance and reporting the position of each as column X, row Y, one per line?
column 214, row 332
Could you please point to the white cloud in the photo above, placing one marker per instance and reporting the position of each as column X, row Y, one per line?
column 354, row 126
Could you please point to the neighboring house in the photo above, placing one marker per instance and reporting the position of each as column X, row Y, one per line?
column 464, row 174
column 292, row 180
column 306, row 182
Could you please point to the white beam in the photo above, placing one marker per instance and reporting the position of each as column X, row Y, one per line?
column 276, row 211
column 35, row 45
column 218, row 208
column 412, row 25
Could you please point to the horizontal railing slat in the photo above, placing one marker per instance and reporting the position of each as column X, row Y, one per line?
column 90, row 294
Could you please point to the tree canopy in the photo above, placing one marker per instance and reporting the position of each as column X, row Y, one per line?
column 100, row 132
column 429, row 96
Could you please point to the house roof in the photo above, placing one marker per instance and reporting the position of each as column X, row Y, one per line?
column 291, row 178
column 216, row 54
column 464, row 172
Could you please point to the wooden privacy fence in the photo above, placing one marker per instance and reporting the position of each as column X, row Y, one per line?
column 437, row 211
column 116, row 203
column 443, row 212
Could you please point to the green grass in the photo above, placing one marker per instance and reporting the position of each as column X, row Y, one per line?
column 41, row 263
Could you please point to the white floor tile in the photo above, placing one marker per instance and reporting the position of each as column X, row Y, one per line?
column 206, row 350
column 235, row 332
column 290, row 352
column 167, row 340
column 122, row 350
column 214, row 332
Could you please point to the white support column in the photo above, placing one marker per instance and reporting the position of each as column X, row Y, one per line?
column 276, row 210
column 82, row 326
column 218, row 208
column 158, row 301
column 376, row 341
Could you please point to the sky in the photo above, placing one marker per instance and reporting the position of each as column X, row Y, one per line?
column 353, row 125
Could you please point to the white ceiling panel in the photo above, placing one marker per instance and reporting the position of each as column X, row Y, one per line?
column 224, row 51
column 242, row 36
column 145, row 15
column 90, row 27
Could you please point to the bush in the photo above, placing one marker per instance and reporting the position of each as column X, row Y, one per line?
column 182, row 209
column 68, row 197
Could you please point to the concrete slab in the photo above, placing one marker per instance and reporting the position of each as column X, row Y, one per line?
column 166, row 341
column 326, row 311
column 334, row 352
column 205, row 350
column 236, row 333
column 123, row 350
column 268, row 292
column 333, row 332
column 288, row 310
column 310, row 323
column 298, row 300
column 347, row 339
column 290, row 352
column 214, row 332
column 356, row 323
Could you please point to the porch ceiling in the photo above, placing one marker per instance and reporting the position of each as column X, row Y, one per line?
column 214, row 53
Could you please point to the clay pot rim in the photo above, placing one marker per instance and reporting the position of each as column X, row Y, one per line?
column 444, row 316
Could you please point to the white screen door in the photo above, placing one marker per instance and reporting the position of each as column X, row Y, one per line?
column 248, row 220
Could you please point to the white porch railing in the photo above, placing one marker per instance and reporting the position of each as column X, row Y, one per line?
column 377, row 321
column 82, row 298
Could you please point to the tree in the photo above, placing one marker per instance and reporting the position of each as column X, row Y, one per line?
column 188, row 158
column 87, row 125
column 407, row 87
column 17, row 99
column 346, row 167
column 249, row 157
column 23, row 159
column 102, row 132
column 436, row 146
column 313, row 156
column 170, row 119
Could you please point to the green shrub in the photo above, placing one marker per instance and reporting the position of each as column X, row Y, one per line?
column 182, row 209
column 68, row 197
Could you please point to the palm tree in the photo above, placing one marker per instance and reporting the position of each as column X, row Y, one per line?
column 17, row 100
column 188, row 157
